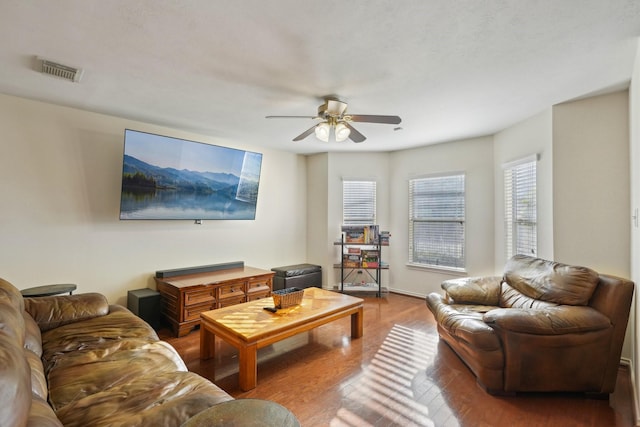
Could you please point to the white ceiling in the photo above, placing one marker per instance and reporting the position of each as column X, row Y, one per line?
column 450, row 69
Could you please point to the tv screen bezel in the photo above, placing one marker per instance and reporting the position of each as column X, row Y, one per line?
column 189, row 148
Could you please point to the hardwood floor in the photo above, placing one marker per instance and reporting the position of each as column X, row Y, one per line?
column 398, row 373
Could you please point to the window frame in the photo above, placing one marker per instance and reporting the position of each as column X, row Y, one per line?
column 460, row 241
column 515, row 175
column 354, row 219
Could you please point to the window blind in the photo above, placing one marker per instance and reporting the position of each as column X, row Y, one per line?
column 358, row 202
column 520, row 209
column 437, row 221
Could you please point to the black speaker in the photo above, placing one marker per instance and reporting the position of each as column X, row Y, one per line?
column 145, row 303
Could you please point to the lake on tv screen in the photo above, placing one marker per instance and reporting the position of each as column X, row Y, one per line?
column 168, row 204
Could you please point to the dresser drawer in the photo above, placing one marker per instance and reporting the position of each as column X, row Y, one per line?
column 231, row 290
column 226, row 302
column 193, row 312
column 259, row 284
column 257, row 295
column 199, row 295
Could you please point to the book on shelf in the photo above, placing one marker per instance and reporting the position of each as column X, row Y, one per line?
column 353, row 234
column 384, row 238
column 370, row 258
column 361, row 234
column 351, row 261
column 371, row 234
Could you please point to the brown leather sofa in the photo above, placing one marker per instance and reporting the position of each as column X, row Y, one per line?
column 542, row 326
column 75, row 360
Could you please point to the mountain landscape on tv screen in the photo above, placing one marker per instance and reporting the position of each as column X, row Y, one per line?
column 153, row 192
column 170, row 178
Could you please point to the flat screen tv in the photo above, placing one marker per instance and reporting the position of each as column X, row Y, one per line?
column 171, row 178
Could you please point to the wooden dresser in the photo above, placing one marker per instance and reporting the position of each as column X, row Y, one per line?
column 185, row 296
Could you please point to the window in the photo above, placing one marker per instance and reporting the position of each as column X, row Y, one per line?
column 358, row 202
column 436, row 221
column 520, row 218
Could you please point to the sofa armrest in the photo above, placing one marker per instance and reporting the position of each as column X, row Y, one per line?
column 51, row 312
column 557, row 320
column 474, row 290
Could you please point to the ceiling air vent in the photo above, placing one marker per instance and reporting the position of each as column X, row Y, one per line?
column 63, row 71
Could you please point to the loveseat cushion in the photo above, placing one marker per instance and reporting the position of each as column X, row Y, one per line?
column 473, row 290
column 513, row 298
column 551, row 281
column 558, row 320
column 464, row 321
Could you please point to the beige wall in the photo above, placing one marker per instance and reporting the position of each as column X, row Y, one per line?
column 474, row 158
column 318, row 235
column 591, row 183
column 634, row 126
column 60, row 183
column 373, row 166
column 529, row 137
column 591, row 187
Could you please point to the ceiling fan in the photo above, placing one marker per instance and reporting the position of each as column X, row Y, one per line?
column 333, row 116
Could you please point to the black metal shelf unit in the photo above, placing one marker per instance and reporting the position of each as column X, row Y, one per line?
column 354, row 263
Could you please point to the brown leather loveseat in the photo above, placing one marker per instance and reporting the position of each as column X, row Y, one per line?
column 542, row 326
column 75, row 360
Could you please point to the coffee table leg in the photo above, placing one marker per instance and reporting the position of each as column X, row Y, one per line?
column 357, row 323
column 248, row 372
column 207, row 343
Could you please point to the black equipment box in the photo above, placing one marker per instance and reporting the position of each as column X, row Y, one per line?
column 145, row 303
column 297, row 276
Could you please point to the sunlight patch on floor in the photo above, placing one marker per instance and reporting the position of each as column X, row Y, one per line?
column 384, row 388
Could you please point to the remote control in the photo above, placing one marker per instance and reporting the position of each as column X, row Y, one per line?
column 271, row 309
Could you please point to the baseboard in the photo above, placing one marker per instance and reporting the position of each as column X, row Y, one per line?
column 392, row 290
column 407, row 293
column 634, row 392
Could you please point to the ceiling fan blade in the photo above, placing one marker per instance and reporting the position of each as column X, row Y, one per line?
column 391, row 120
column 292, row 117
column 355, row 136
column 305, row 134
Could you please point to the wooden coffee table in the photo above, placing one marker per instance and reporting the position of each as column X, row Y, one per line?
column 249, row 327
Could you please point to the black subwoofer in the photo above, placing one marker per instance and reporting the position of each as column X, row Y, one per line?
column 145, row 303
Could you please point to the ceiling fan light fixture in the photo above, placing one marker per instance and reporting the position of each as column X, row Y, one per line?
column 322, row 131
column 342, row 132
column 334, row 118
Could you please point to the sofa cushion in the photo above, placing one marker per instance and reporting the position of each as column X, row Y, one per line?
column 165, row 399
column 473, row 290
column 15, row 390
column 39, row 386
column 11, row 309
column 100, row 334
column 32, row 337
column 551, row 281
column 90, row 371
column 41, row 414
column 51, row 312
